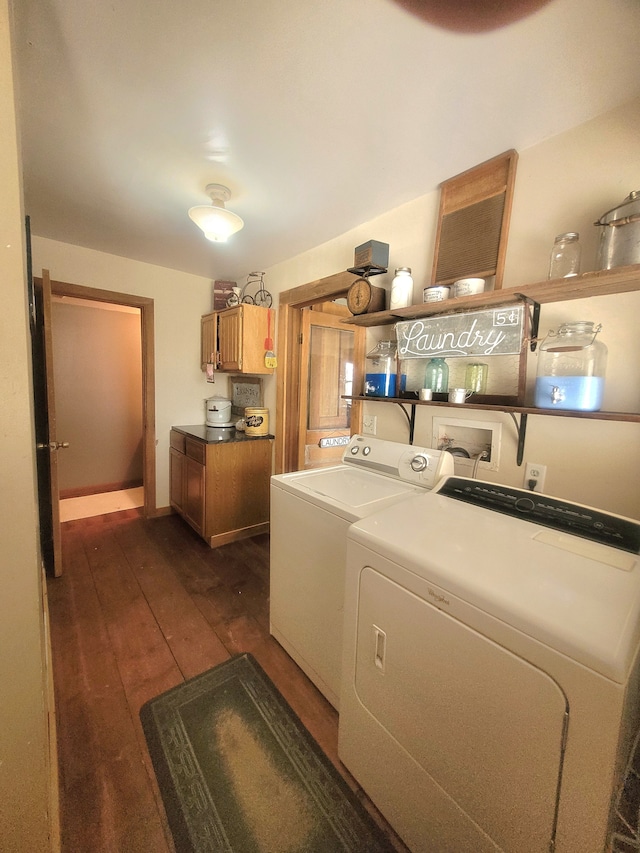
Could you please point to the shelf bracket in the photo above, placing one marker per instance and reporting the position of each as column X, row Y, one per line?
column 411, row 419
column 534, row 317
column 521, row 429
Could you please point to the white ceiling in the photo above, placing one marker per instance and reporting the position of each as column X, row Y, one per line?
column 317, row 115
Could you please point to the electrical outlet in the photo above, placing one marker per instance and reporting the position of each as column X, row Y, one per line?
column 533, row 471
column 369, row 423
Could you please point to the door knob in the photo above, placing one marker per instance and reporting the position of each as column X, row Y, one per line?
column 52, row 445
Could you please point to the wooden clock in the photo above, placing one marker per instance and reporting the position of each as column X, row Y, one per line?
column 363, row 297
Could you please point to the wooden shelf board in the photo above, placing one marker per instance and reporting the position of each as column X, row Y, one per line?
column 631, row 417
column 599, row 283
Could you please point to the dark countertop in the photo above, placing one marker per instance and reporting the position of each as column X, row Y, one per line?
column 216, row 435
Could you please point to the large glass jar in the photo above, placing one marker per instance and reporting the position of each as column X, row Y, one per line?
column 436, row 375
column 381, row 369
column 571, row 369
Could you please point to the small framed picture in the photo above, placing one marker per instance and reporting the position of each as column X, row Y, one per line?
column 222, row 290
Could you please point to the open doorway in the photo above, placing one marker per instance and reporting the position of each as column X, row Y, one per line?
column 103, row 371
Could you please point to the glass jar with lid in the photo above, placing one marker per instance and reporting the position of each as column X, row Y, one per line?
column 401, row 289
column 565, row 256
column 571, row 368
column 381, row 371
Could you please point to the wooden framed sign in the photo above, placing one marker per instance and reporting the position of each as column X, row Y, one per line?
column 496, row 331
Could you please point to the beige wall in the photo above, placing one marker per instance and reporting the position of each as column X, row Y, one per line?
column 563, row 184
column 23, row 741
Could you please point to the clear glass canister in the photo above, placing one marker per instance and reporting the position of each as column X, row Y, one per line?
column 571, row 368
column 565, row 256
column 436, row 375
column 381, row 370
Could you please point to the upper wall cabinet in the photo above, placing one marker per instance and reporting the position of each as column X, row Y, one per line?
column 234, row 339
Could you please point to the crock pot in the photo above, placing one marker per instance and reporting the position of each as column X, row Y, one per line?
column 620, row 236
column 218, row 412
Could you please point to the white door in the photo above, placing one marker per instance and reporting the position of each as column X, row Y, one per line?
column 475, row 731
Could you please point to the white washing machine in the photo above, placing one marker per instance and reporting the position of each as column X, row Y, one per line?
column 490, row 687
column 310, row 514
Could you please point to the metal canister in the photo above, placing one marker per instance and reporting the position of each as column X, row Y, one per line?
column 620, row 236
column 256, row 420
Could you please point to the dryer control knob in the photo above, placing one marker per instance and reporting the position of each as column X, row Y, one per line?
column 419, row 463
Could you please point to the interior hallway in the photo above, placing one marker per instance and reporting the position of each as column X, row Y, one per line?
column 141, row 606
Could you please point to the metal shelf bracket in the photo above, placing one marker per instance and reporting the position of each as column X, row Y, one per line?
column 534, row 316
column 521, row 429
column 411, row 418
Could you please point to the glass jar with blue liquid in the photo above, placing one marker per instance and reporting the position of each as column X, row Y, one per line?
column 381, row 371
column 571, row 369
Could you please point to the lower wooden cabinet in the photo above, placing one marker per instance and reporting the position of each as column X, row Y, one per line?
column 221, row 489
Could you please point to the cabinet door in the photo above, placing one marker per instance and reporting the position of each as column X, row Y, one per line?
column 208, row 339
column 194, row 493
column 258, row 324
column 176, row 479
column 242, row 333
column 238, row 479
column 230, row 339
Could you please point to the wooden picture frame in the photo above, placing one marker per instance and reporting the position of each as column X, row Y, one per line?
column 245, row 391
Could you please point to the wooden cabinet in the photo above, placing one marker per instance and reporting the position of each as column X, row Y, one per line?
column 221, row 489
column 234, row 339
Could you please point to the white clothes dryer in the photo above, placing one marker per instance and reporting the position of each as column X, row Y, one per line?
column 310, row 514
column 490, row 691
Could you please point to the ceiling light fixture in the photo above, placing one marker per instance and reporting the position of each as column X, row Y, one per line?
column 217, row 223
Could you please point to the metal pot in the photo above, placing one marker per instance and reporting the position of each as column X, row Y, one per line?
column 620, row 235
column 218, row 411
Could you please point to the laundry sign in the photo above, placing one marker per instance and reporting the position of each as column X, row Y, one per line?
column 477, row 333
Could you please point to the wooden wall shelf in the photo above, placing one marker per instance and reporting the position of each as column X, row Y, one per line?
column 600, row 283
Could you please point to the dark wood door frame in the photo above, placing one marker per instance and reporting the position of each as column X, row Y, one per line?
column 291, row 303
column 146, row 306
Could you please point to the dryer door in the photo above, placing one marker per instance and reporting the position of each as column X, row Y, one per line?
column 467, row 721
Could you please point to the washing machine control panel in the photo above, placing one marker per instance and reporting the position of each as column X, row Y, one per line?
column 421, row 466
column 579, row 520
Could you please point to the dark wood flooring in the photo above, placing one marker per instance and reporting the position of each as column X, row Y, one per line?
column 141, row 606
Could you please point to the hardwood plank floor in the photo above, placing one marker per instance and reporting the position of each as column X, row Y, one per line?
column 143, row 605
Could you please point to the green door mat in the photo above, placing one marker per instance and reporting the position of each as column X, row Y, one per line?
column 238, row 771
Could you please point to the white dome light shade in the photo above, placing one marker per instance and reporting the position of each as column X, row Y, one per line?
column 217, row 223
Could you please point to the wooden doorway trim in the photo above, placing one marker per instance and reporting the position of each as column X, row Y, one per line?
column 146, row 306
column 291, row 303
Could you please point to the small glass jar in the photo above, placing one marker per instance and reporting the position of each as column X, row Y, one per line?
column 381, row 371
column 571, row 369
column 436, row 376
column 565, row 256
column 401, row 289
column 475, row 377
